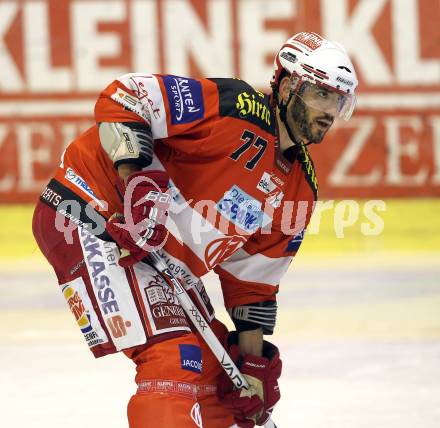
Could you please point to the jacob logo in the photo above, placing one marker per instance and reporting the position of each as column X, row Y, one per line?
column 184, row 98
column 191, row 358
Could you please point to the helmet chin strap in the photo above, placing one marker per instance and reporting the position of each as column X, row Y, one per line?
column 283, row 116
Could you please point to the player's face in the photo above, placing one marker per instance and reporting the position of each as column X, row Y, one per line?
column 312, row 112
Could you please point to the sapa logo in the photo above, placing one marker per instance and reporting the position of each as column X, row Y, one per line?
column 117, row 326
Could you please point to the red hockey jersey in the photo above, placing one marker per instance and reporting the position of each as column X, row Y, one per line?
column 239, row 207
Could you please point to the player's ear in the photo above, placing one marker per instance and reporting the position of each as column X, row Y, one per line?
column 284, row 88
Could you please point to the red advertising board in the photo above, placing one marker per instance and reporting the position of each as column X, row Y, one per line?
column 57, row 55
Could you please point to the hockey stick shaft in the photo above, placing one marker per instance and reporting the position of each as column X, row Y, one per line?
column 201, row 325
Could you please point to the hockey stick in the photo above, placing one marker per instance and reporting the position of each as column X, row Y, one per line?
column 201, row 325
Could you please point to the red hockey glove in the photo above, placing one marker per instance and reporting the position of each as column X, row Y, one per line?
column 144, row 191
column 139, row 240
column 142, row 228
column 255, row 405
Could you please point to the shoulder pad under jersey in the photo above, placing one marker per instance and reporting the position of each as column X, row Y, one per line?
column 240, row 100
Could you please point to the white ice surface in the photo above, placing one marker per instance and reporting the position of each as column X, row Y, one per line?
column 360, row 350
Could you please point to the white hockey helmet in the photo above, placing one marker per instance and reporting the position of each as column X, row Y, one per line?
column 307, row 57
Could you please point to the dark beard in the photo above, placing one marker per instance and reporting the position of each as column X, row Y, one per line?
column 299, row 115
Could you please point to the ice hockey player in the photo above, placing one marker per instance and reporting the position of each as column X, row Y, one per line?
column 213, row 175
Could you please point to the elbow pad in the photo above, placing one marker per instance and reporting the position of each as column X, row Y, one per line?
column 256, row 315
column 127, row 142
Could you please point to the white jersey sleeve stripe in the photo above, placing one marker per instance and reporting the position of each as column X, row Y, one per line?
column 257, row 267
column 147, row 89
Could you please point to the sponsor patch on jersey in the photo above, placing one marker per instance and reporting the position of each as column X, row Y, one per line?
column 81, row 307
column 241, row 209
column 51, row 197
column 191, row 358
column 253, row 105
column 79, row 182
column 162, row 308
column 295, row 242
column 240, row 100
column 267, row 186
column 184, row 98
column 274, row 199
column 112, row 291
column 222, row 248
column 131, row 103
